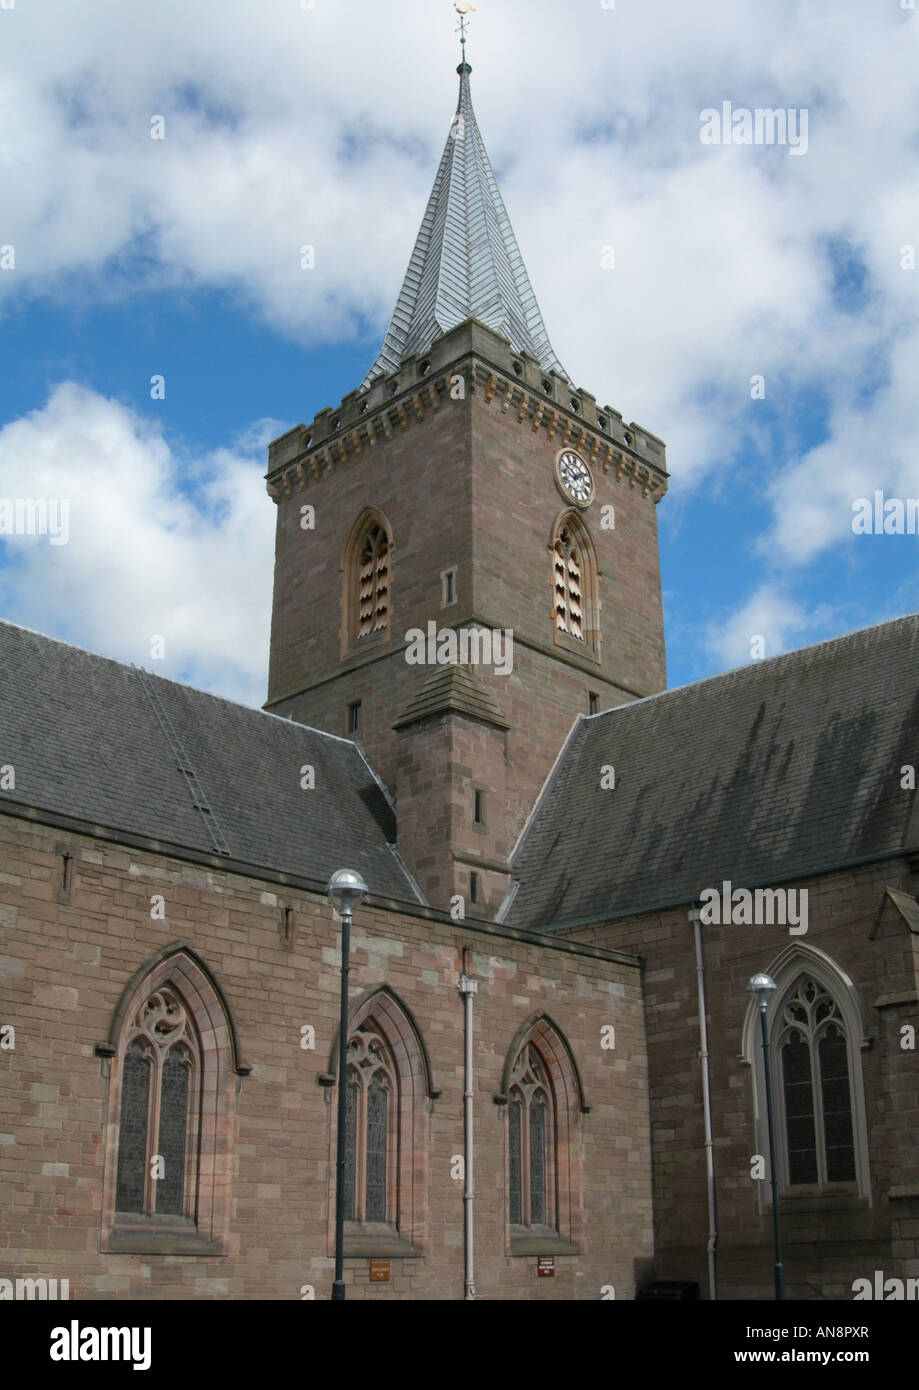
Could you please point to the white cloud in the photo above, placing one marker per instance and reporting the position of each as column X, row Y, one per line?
column 768, row 624
column 288, row 125
column 159, row 544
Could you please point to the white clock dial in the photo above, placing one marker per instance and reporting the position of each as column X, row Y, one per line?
column 574, row 478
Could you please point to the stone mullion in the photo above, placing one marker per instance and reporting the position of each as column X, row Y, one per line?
column 153, row 1131
column 817, row 1096
column 192, row 1144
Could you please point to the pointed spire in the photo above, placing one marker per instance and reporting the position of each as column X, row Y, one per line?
column 466, row 262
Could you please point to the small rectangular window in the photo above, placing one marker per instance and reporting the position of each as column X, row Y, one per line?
column 478, row 812
column 593, row 702
column 67, row 874
column 473, row 887
column 448, row 587
column 354, row 717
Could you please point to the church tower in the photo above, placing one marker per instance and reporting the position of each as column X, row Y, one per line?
column 466, row 490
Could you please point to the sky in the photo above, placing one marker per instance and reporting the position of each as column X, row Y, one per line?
column 754, row 304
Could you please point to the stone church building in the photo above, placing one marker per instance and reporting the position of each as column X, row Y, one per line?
column 466, row 704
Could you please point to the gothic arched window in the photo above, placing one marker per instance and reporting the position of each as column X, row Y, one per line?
column 542, row 1091
column 569, row 613
column 373, row 583
column 371, row 1176
column 171, row 1105
column 367, row 579
column 575, row 601
column 157, row 1157
column 531, row 1148
column 813, row 1065
column 817, row 1029
column 387, row 1131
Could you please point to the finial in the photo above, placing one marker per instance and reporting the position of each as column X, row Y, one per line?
column 462, row 11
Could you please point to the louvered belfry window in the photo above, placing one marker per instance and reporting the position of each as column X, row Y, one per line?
column 568, row 585
column 157, row 1132
column 373, row 583
column 815, row 1088
column 531, row 1127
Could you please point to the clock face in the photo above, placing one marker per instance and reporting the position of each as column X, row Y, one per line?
column 574, row 478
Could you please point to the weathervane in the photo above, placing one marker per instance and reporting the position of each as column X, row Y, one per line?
column 462, row 11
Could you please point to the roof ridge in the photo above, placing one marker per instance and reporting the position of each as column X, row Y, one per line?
column 753, row 665
column 131, row 669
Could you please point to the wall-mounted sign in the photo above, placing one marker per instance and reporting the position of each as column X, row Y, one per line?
column 545, row 1266
column 379, row 1271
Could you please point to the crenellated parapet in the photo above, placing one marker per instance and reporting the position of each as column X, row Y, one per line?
column 469, row 361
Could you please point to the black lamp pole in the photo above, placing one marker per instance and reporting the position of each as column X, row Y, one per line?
column 338, row 1287
column 347, row 891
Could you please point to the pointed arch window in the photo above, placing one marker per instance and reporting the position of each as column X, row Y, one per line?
column 388, row 1081
column 817, row 1029
column 532, row 1158
column 542, row 1091
column 575, row 601
column 373, row 583
column 171, row 1106
column 371, row 1168
column 569, row 613
column 367, row 581
column 161, row 1079
column 817, row 1101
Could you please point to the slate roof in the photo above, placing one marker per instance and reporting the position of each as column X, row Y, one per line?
column 87, row 743
column 776, row 770
column 466, row 262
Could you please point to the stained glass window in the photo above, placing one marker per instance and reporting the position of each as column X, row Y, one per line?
column 531, row 1161
column 537, row 1160
column 376, row 1150
column 173, row 1127
column 514, row 1145
column 351, row 1108
column 370, row 1139
column 132, row 1147
column 157, row 1077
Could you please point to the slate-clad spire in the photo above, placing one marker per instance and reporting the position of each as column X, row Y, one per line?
column 466, row 262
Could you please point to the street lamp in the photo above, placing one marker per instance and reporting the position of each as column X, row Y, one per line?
column 347, row 891
column 761, row 986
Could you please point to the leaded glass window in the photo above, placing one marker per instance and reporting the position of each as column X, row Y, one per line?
column 351, row 1106
column 135, row 1106
column 159, row 1074
column 816, row 1091
column 515, row 1126
column 531, row 1157
column 537, row 1160
column 173, row 1129
column 370, row 1162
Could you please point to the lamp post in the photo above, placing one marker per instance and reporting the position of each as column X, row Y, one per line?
column 761, row 986
column 347, row 891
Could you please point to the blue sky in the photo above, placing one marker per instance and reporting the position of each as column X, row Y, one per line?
column 323, row 124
